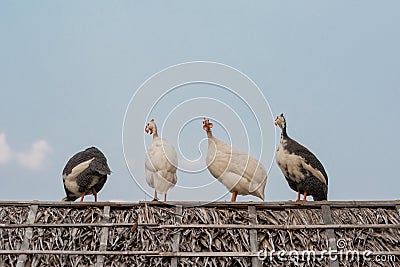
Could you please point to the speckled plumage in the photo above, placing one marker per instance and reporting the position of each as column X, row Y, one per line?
column 85, row 174
column 301, row 168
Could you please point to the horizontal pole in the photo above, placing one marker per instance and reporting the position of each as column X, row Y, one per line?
column 207, row 226
column 282, row 227
column 79, row 252
column 244, row 205
column 184, row 254
column 76, row 225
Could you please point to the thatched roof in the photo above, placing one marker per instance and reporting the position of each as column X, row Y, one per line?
column 198, row 234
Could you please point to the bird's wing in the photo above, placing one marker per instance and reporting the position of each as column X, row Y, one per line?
column 99, row 165
column 171, row 157
column 310, row 161
column 77, row 159
column 149, row 167
column 85, row 178
column 258, row 175
column 67, row 191
column 161, row 156
column 150, row 177
column 240, row 163
column 250, row 169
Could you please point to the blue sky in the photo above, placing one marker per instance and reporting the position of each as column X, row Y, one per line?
column 69, row 69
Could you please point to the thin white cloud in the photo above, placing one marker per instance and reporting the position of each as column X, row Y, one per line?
column 6, row 153
column 34, row 159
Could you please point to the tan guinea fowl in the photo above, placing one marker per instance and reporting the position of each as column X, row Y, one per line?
column 239, row 172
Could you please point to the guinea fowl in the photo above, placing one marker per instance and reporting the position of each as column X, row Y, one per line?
column 161, row 163
column 239, row 172
column 85, row 174
column 301, row 168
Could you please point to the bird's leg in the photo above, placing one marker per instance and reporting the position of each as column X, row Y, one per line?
column 94, row 194
column 298, row 196
column 305, row 196
column 234, row 194
column 155, row 196
column 83, row 196
column 165, row 197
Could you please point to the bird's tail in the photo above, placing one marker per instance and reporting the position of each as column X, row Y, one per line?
column 67, row 198
column 257, row 188
column 322, row 196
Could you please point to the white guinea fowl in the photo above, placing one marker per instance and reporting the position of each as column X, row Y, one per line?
column 161, row 163
column 239, row 172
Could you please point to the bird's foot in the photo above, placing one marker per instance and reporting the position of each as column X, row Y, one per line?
column 305, row 196
column 234, row 194
column 297, row 200
column 155, row 196
column 94, row 194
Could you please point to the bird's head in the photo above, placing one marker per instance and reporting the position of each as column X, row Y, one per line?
column 280, row 121
column 151, row 127
column 207, row 125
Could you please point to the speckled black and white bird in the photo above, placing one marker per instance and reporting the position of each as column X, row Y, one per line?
column 301, row 168
column 85, row 174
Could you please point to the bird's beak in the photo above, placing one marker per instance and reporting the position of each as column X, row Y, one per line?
column 147, row 130
column 275, row 123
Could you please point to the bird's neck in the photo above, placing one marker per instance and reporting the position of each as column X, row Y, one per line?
column 284, row 133
column 155, row 134
column 209, row 134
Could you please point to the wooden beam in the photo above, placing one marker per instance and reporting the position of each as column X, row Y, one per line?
column 255, row 262
column 28, row 235
column 243, row 205
column 330, row 233
column 79, row 252
column 77, row 225
column 283, row 227
column 157, row 253
column 206, row 226
column 104, row 237
column 177, row 236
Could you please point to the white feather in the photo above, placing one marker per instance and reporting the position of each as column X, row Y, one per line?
column 238, row 171
column 160, row 165
column 291, row 164
column 70, row 179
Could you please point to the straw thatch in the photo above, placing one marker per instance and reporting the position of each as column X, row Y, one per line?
column 198, row 234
